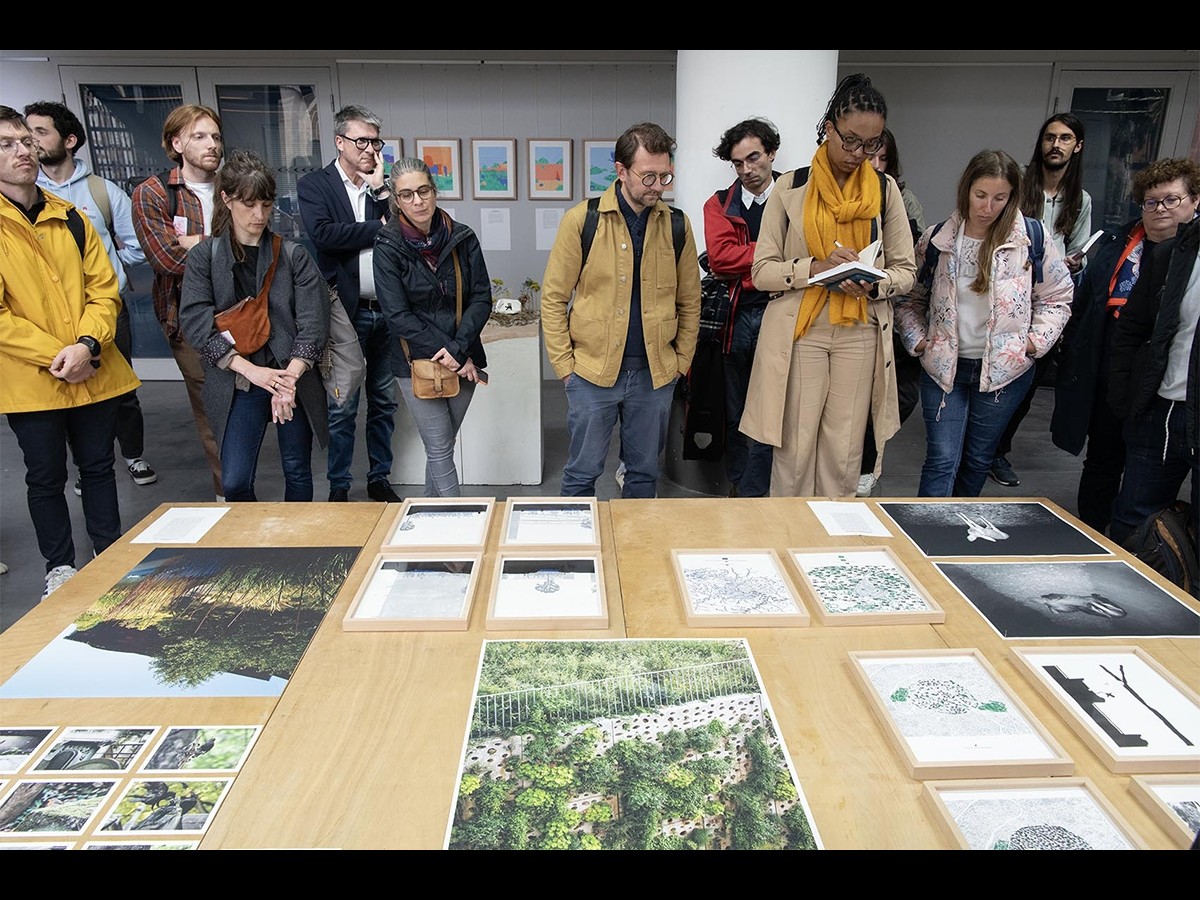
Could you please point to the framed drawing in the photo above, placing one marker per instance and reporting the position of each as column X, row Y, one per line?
column 551, row 522
column 550, row 161
column 415, row 592
column 864, row 586
column 1029, row 814
column 541, row 591
column 102, row 749
column 736, row 588
column 1173, row 801
column 393, row 150
column 440, row 522
column 53, row 808
column 949, row 715
column 494, row 168
column 1133, row 713
column 599, row 167
column 444, row 158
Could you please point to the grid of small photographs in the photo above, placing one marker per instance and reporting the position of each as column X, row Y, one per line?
column 92, row 787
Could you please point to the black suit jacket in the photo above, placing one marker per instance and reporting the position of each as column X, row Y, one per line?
column 329, row 220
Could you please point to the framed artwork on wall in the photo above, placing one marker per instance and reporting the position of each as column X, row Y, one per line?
column 440, row 522
column 415, row 592
column 864, row 586
column 1173, row 801
column 599, row 166
column 494, row 168
column 736, row 588
column 393, row 149
column 444, row 158
column 550, row 161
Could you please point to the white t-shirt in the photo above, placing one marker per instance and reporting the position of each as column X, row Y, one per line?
column 204, row 193
column 974, row 309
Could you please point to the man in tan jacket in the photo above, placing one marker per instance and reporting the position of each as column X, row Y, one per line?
column 631, row 329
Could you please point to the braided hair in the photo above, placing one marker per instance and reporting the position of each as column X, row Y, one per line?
column 854, row 93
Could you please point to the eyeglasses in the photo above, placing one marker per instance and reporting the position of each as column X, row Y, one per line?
column 1065, row 139
column 406, row 196
column 649, row 178
column 363, row 143
column 11, row 146
column 852, row 143
column 751, row 160
column 1169, row 202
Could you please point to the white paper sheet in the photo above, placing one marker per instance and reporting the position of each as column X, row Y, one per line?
column 848, row 518
column 546, row 220
column 495, row 229
column 181, row 525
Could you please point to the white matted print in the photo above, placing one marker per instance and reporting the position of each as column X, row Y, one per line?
column 53, row 808
column 416, row 592
column 546, row 592
column 178, row 806
column 141, row 845
column 18, row 746
column 1173, row 801
column 949, row 715
column 736, row 588
column 864, row 586
column 202, row 748
column 978, row 528
column 551, row 522
column 1128, row 708
column 1029, row 814
column 1069, row 599
column 441, row 522
column 108, row 749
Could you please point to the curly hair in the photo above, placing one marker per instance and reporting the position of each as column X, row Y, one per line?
column 1163, row 170
column 758, row 127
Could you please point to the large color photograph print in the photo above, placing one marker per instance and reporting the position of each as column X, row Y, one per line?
column 193, row 622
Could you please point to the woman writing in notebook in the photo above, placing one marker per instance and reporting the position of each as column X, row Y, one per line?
column 824, row 361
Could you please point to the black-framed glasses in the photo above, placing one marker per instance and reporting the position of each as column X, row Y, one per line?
column 649, row 178
column 1169, row 202
column 406, row 196
column 852, row 143
column 363, row 143
column 750, row 160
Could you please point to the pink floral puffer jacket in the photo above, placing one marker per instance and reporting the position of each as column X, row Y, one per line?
column 1020, row 309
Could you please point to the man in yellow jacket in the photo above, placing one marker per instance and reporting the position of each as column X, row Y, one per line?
column 60, row 373
column 631, row 330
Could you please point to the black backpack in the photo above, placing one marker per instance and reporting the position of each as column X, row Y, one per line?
column 1166, row 542
column 592, row 218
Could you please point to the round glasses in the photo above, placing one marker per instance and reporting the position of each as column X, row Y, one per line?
column 1169, row 202
column 852, row 143
column 406, row 196
column 363, row 143
column 649, row 178
column 11, row 146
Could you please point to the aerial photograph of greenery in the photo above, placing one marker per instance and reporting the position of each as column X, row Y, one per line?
column 625, row 745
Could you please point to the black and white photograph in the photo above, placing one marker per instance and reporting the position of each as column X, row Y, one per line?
column 17, row 746
column 1070, row 600
column 990, row 529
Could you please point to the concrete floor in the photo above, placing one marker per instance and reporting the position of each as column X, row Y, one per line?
column 174, row 450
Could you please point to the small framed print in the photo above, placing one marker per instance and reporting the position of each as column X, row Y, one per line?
column 599, row 166
column 548, row 591
column 1173, row 801
column 736, row 588
column 1029, row 814
column 440, row 522
column 392, row 152
column 444, row 158
column 864, row 586
column 551, row 522
column 494, row 168
column 550, row 162
column 416, row 592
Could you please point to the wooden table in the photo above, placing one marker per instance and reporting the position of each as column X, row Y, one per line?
column 362, row 749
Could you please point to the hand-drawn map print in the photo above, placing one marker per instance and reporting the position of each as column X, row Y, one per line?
column 1048, row 818
column 736, row 584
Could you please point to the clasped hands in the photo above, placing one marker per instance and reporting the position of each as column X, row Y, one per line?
column 467, row 370
column 73, row 364
column 281, row 385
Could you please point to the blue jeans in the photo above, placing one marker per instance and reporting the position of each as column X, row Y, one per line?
column 244, row 431
column 747, row 462
column 43, row 438
column 438, row 422
column 380, row 387
column 963, row 428
column 1156, row 463
column 593, row 412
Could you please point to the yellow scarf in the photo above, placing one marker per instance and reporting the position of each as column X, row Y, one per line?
column 837, row 214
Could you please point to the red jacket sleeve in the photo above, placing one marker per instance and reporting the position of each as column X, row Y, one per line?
column 730, row 254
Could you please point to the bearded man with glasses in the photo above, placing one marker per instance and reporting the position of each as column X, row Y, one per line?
column 343, row 206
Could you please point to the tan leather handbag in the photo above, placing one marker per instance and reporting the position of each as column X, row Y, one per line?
column 246, row 322
column 432, row 380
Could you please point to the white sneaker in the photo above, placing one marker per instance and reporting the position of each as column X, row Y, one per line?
column 866, row 484
column 619, row 475
column 56, row 578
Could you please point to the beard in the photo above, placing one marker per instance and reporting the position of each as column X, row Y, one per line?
column 1055, row 164
column 53, row 156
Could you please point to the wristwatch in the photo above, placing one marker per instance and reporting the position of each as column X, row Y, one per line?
column 380, row 192
column 93, row 347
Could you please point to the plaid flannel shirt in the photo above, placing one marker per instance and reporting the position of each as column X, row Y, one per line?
column 156, row 233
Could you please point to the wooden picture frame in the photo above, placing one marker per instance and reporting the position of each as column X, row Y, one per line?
column 1132, row 698
column 389, row 598
column 964, row 810
column 444, row 158
column 958, row 691
column 550, row 163
column 736, row 588
column 494, row 168
column 893, row 595
column 512, row 607
column 1163, row 796
column 566, row 522
column 425, row 522
column 392, row 152
column 599, row 166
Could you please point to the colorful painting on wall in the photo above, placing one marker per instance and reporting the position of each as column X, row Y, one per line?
column 550, row 161
column 495, row 166
column 599, row 166
column 442, row 155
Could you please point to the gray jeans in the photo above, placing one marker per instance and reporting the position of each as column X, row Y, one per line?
column 438, row 422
